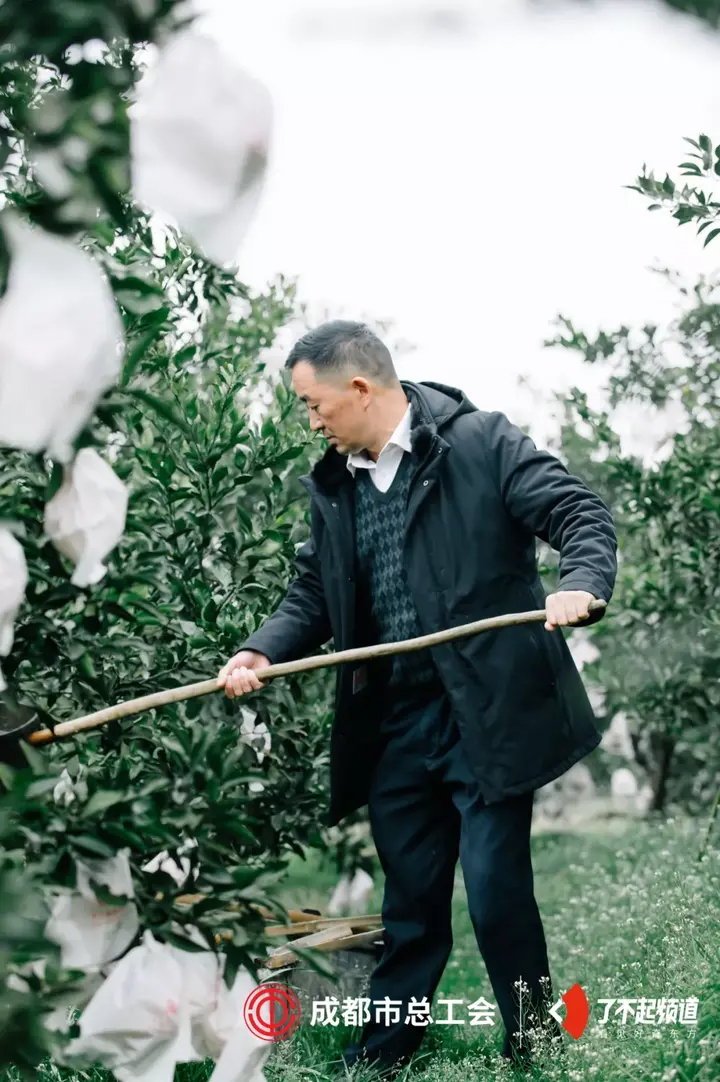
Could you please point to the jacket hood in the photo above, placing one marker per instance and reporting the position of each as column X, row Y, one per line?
column 436, row 404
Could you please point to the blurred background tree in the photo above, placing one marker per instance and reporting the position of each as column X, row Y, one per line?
column 660, row 646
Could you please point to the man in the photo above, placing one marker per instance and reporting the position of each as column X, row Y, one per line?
column 424, row 513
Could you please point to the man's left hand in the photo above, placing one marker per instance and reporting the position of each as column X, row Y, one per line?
column 566, row 607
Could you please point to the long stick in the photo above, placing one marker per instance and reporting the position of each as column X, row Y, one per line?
column 306, row 664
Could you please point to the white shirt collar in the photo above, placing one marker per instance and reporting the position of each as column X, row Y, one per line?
column 400, row 438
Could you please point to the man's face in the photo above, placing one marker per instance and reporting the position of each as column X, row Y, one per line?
column 338, row 409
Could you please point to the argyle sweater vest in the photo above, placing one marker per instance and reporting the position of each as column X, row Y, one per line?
column 384, row 594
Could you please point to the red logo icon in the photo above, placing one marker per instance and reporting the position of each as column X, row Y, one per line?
column 577, row 1011
column 272, row 1012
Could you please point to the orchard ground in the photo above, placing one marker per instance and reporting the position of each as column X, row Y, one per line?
column 628, row 912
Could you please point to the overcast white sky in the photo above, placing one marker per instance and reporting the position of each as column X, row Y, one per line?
column 468, row 185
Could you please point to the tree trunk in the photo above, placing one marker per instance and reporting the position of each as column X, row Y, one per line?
column 657, row 765
column 663, row 747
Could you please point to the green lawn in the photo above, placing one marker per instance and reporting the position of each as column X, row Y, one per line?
column 627, row 913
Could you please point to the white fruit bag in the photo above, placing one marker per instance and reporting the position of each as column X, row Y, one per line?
column 339, row 903
column 85, row 518
column 200, row 134
column 137, row 1024
column 616, row 740
column 255, row 736
column 163, row 862
column 13, row 580
column 351, row 894
column 157, row 1008
column 60, row 341
column 243, row 1052
column 361, row 889
column 92, row 933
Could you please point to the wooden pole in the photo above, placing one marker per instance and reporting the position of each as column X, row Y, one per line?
column 307, row 664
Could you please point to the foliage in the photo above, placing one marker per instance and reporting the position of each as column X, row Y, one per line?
column 207, row 552
column 688, row 204
column 214, row 519
column 211, row 533
column 660, row 647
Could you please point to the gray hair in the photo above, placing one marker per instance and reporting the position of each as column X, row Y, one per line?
column 342, row 344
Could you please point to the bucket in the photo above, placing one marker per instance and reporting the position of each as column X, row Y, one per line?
column 353, row 968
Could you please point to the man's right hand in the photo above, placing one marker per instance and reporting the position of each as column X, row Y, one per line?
column 239, row 675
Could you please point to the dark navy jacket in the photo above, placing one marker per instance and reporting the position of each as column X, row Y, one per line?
column 481, row 493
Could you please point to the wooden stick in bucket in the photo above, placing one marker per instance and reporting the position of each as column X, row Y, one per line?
column 319, row 661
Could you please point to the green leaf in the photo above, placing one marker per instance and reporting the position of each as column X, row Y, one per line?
column 102, row 800
column 139, row 349
column 35, row 759
column 173, row 744
column 137, row 302
column 287, row 456
column 94, row 846
column 41, row 787
column 86, row 666
column 709, row 237
column 243, row 518
column 218, row 877
column 7, row 776
column 56, row 479
column 161, row 407
column 153, row 786
column 175, row 937
column 243, row 876
column 159, row 617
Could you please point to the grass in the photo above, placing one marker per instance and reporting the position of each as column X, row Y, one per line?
column 627, row 913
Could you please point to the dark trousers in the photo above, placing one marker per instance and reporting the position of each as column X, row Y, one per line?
column 425, row 812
